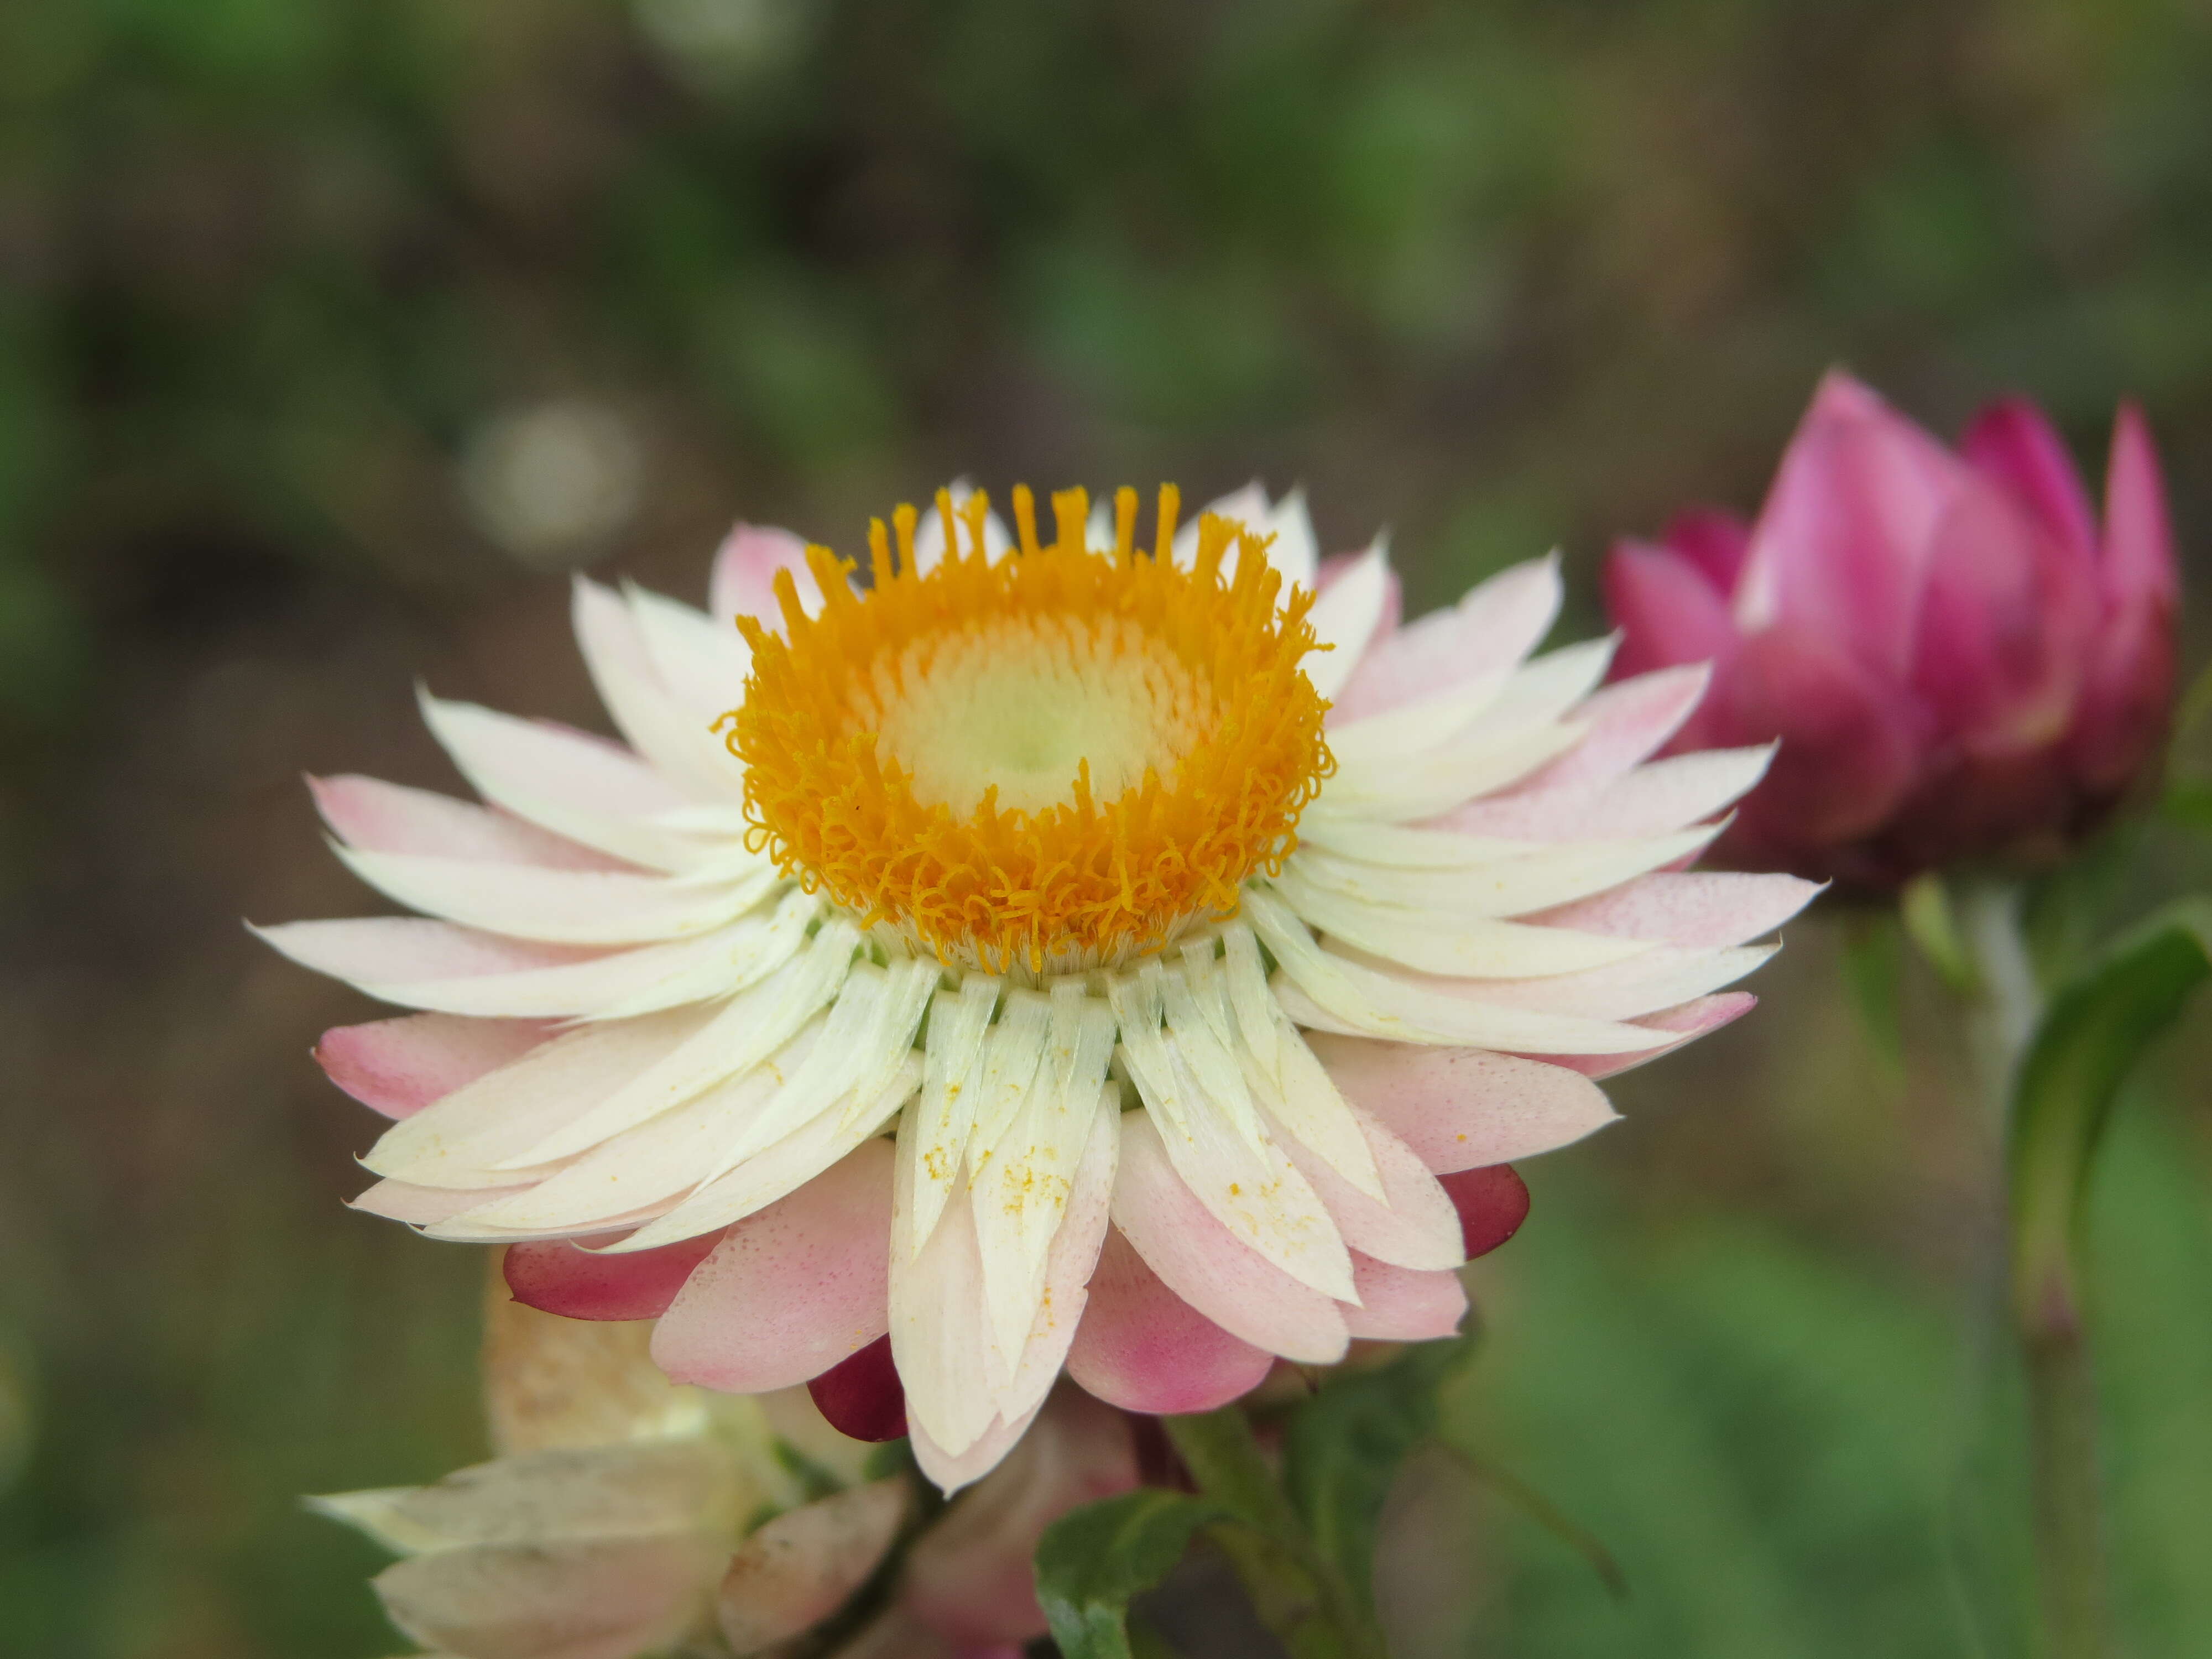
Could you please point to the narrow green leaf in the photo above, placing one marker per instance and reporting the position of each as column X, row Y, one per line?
column 2097, row 1027
column 1343, row 1447
column 1092, row 1560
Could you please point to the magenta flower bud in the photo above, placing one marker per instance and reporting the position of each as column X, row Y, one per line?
column 1958, row 663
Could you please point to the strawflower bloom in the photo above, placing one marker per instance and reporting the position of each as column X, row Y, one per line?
column 1074, row 956
column 1960, row 663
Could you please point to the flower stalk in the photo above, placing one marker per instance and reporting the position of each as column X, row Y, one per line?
column 2043, row 1176
column 1294, row 1593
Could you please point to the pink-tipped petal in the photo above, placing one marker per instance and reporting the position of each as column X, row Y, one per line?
column 1410, row 1227
column 1492, row 1203
column 2012, row 443
column 1208, row 1265
column 792, row 1288
column 1705, row 909
column 970, row 1577
column 1142, row 1347
column 377, row 817
column 398, row 1066
column 559, row 1277
column 1488, row 632
column 1394, row 597
column 1627, row 722
column 744, row 579
column 861, row 1396
column 1403, row 1305
column 425, row 1206
column 1693, row 1020
column 1669, row 615
column 1713, row 540
column 1841, row 543
column 1460, row 1108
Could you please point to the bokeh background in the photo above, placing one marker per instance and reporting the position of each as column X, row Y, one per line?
column 333, row 332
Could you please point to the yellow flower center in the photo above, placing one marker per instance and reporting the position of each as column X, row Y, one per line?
column 1055, row 760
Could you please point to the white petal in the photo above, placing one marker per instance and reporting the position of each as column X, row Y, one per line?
column 456, row 1141
column 1464, row 1108
column 1700, row 908
column 742, row 1035
column 1424, row 785
column 389, row 817
column 929, row 532
column 1345, row 617
column 952, row 1079
column 1322, row 989
column 564, row 906
column 1434, row 942
column 1502, row 888
column 576, row 785
column 769, row 1174
column 1627, row 722
column 701, row 660
column 1413, row 1225
column 1664, row 977
column 677, row 740
column 1255, row 1192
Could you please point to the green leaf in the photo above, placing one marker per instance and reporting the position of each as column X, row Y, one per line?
column 2096, row 1029
column 2187, row 804
column 1342, row 1448
column 1092, row 1560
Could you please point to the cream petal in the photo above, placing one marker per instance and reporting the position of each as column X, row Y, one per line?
column 1467, row 947
column 1295, row 551
column 398, row 1066
column 425, row 1206
column 950, row 1471
column 1413, row 1225
column 959, row 1026
column 1464, row 1108
column 389, row 817
column 1531, row 881
column 701, row 660
column 742, row 1033
column 1664, row 977
column 580, row 787
column 1323, row 989
column 939, row 1332
column 1210, row 1268
column 777, row 1170
column 1480, row 760
column 792, row 1288
column 457, row 1140
column 1345, row 617
column 677, row 740
column 560, row 907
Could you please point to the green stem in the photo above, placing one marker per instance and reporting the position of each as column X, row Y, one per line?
column 1294, row 1592
column 2063, row 1466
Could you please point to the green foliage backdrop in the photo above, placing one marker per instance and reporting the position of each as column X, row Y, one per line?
column 330, row 331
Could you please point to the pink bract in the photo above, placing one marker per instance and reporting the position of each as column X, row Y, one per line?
column 1959, row 663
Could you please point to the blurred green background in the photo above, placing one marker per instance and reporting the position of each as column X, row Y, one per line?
column 332, row 331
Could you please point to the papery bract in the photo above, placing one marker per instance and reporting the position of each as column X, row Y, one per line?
column 1958, row 662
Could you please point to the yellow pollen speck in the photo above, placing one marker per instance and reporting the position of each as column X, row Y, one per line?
column 1054, row 760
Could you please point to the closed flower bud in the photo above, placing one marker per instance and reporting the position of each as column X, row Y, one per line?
column 1959, row 662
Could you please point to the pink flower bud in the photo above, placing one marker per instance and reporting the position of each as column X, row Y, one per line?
column 1958, row 663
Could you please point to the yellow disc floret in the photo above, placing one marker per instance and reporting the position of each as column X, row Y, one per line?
column 1051, row 761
